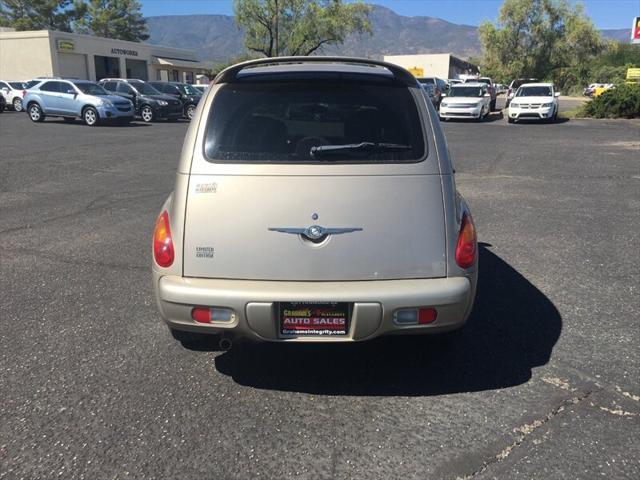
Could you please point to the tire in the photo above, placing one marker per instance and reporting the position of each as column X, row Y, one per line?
column 146, row 112
column 510, row 120
column 90, row 117
column 189, row 111
column 17, row 104
column 69, row 119
column 492, row 108
column 35, row 113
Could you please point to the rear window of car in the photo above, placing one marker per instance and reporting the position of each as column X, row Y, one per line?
column 314, row 122
column 466, row 91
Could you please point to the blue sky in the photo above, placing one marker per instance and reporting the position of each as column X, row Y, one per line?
column 604, row 13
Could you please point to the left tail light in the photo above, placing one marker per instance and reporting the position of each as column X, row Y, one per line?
column 466, row 249
column 163, row 251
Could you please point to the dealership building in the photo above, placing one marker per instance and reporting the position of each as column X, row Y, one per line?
column 441, row 65
column 47, row 53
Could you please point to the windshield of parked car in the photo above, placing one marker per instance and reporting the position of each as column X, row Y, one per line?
column 534, row 92
column 144, row 88
column 286, row 122
column 466, row 92
column 427, row 80
column 17, row 85
column 91, row 88
column 189, row 89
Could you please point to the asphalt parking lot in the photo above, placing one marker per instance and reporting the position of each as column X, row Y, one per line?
column 541, row 383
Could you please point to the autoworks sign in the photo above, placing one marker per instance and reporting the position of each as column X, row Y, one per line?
column 124, row 51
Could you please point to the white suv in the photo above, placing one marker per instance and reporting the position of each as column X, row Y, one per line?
column 12, row 93
column 534, row 101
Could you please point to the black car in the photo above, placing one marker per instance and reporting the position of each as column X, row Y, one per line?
column 149, row 103
column 186, row 93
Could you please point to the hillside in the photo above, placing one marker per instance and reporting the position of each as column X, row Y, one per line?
column 216, row 37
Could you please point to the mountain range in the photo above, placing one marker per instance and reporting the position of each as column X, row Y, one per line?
column 217, row 39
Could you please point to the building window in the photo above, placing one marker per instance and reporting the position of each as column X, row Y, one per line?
column 188, row 77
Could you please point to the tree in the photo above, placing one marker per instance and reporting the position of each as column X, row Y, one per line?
column 538, row 38
column 118, row 19
column 298, row 27
column 37, row 14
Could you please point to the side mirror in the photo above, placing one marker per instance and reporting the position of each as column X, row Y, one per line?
column 444, row 95
column 71, row 91
column 486, row 95
column 557, row 94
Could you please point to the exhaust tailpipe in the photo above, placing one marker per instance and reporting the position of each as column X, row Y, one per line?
column 225, row 344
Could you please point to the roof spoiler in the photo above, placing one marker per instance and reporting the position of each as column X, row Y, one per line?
column 230, row 74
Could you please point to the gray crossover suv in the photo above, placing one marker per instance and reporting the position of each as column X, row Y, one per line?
column 314, row 201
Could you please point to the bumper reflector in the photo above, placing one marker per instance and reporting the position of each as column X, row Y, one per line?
column 415, row 316
column 209, row 314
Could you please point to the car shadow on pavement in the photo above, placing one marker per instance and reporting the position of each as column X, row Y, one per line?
column 513, row 329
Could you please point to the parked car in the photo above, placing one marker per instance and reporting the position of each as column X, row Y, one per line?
column 534, row 101
column 490, row 88
column 185, row 92
column 73, row 99
column 309, row 211
column 12, row 94
column 149, row 103
column 435, row 87
column 468, row 100
column 202, row 88
column 454, row 81
column 513, row 87
column 600, row 89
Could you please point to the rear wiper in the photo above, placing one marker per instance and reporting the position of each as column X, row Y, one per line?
column 358, row 148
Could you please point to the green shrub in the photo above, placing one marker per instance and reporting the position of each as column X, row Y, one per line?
column 620, row 102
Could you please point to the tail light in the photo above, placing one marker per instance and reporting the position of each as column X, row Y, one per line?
column 467, row 247
column 163, row 252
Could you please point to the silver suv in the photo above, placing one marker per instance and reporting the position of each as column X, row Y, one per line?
column 315, row 201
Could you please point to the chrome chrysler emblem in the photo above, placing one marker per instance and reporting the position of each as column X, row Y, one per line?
column 314, row 232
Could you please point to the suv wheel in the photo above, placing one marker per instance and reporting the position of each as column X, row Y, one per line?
column 493, row 106
column 146, row 113
column 190, row 111
column 17, row 104
column 90, row 116
column 35, row 113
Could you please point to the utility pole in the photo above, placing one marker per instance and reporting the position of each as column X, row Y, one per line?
column 277, row 28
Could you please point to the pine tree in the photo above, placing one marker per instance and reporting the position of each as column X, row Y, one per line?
column 119, row 19
column 38, row 14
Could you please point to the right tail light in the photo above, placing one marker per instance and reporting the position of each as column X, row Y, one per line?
column 163, row 252
column 467, row 246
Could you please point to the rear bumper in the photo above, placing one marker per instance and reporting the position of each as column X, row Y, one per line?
column 256, row 314
column 466, row 112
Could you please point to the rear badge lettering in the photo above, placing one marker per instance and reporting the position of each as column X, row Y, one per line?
column 206, row 187
column 204, row 252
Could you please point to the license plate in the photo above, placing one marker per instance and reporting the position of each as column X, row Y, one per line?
column 313, row 318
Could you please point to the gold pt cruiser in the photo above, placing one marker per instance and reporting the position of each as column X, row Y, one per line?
column 314, row 201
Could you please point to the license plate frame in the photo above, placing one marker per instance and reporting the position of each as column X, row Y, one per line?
column 314, row 319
